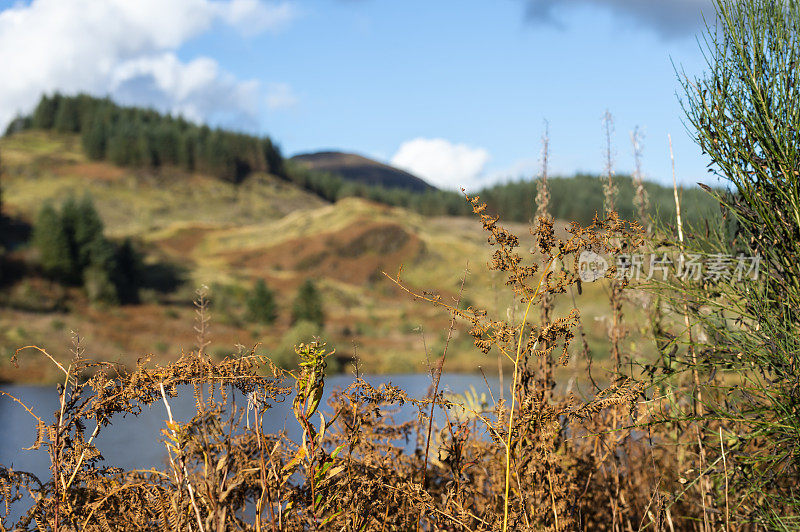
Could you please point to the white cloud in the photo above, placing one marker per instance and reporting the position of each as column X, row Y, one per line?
column 198, row 90
column 128, row 49
column 253, row 16
column 442, row 163
column 280, row 96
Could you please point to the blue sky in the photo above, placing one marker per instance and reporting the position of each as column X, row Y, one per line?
column 456, row 91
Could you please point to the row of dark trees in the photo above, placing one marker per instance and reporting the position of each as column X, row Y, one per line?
column 131, row 136
column 575, row 198
column 74, row 250
column 579, row 197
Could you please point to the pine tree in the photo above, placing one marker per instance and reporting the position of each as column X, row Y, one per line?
column 84, row 229
column 45, row 114
column 125, row 143
column 167, row 141
column 20, row 123
column 261, row 306
column 308, row 304
column 74, row 250
column 94, row 138
column 187, row 147
column 52, row 241
column 94, row 254
column 67, row 118
column 274, row 159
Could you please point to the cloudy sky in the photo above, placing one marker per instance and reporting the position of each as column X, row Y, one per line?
column 457, row 91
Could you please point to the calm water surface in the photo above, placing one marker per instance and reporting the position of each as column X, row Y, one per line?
column 134, row 442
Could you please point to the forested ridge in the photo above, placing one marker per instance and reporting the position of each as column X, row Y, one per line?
column 145, row 138
column 136, row 137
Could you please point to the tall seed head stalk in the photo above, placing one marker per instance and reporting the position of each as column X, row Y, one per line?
column 542, row 188
column 609, row 188
column 641, row 200
column 543, row 215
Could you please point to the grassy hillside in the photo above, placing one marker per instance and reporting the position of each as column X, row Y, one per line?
column 40, row 165
column 226, row 236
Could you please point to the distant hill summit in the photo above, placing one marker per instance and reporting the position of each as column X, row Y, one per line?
column 356, row 168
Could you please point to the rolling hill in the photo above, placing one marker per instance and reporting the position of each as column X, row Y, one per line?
column 148, row 142
column 359, row 169
column 206, row 231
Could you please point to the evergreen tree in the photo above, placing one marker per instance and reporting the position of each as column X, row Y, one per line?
column 217, row 157
column 20, row 123
column 52, row 241
column 67, row 118
column 84, row 228
column 44, row 116
column 273, row 158
column 261, row 306
column 125, row 144
column 146, row 147
column 74, row 250
column 94, row 138
column 187, row 147
column 89, row 108
column 308, row 304
column 167, row 143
